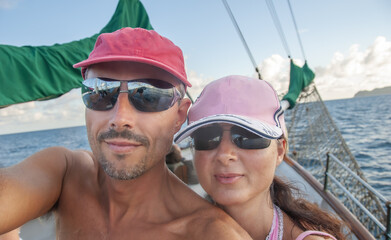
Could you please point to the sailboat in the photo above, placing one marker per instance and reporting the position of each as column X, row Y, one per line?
column 319, row 160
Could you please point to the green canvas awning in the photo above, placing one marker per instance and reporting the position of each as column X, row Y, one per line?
column 30, row 73
column 300, row 77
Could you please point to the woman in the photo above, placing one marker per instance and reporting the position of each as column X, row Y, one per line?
column 237, row 127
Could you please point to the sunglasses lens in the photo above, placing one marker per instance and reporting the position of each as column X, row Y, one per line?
column 207, row 138
column 100, row 95
column 248, row 140
column 146, row 95
column 152, row 95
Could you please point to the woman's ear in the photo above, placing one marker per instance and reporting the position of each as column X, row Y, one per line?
column 281, row 148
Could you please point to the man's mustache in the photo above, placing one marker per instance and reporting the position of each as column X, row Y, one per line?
column 126, row 134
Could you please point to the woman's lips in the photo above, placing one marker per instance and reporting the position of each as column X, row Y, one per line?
column 228, row 178
column 121, row 146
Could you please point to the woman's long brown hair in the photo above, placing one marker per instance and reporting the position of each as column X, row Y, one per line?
column 305, row 215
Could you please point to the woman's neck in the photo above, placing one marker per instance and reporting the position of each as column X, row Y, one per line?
column 255, row 216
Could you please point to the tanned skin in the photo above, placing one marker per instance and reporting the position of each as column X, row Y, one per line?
column 90, row 204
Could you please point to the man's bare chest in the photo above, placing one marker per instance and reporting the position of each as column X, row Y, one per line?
column 101, row 229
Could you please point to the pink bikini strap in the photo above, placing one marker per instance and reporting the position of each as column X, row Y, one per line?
column 307, row 233
column 273, row 235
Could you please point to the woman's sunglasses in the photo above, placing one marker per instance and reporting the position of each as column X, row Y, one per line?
column 208, row 138
column 146, row 95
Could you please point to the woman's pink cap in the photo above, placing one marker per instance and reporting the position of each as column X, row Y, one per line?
column 137, row 45
column 249, row 103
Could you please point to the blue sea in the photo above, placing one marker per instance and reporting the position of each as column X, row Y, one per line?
column 365, row 124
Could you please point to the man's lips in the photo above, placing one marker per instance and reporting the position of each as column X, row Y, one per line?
column 228, row 178
column 121, row 145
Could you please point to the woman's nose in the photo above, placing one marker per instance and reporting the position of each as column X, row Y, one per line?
column 226, row 151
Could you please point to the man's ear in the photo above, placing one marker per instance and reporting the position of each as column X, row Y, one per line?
column 183, row 107
column 281, row 148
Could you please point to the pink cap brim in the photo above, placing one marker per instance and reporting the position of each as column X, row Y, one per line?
column 255, row 126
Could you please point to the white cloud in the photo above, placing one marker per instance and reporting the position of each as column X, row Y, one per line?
column 198, row 83
column 356, row 70
column 38, row 116
column 8, row 4
column 304, row 30
column 67, row 110
column 346, row 74
column 275, row 70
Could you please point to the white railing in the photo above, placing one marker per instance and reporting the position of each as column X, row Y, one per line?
column 384, row 228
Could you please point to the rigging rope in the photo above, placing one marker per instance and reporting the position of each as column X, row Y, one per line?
column 241, row 37
column 312, row 134
column 297, row 31
column 278, row 26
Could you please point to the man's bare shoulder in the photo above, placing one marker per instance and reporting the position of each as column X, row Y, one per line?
column 56, row 154
column 37, row 183
column 218, row 224
column 81, row 164
column 67, row 159
column 81, row 159
column 210, row 222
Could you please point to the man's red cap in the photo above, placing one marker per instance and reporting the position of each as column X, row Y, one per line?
column 137, row 45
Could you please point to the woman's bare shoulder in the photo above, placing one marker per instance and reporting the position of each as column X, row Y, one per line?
column 316, row 237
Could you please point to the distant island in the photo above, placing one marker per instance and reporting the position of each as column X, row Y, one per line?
column 374, row 92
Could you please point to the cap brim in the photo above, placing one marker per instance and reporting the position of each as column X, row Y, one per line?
column 152, row 62
column 255, row 126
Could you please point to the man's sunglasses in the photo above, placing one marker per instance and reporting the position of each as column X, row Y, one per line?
column 146, row 95
column 208, row 138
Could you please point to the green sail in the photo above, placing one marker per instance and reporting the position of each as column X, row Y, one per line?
column 300, row 77
column 31, row 73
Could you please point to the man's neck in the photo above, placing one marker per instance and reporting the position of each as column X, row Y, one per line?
column 136, row 197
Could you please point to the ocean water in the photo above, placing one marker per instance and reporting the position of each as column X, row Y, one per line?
column 365, row 124
column 16, row 147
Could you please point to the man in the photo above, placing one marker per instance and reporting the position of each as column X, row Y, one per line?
column 133, row 90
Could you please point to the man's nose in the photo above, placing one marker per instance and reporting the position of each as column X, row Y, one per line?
column 124, row 114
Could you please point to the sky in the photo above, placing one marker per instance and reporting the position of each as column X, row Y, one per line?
column 347, row 44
